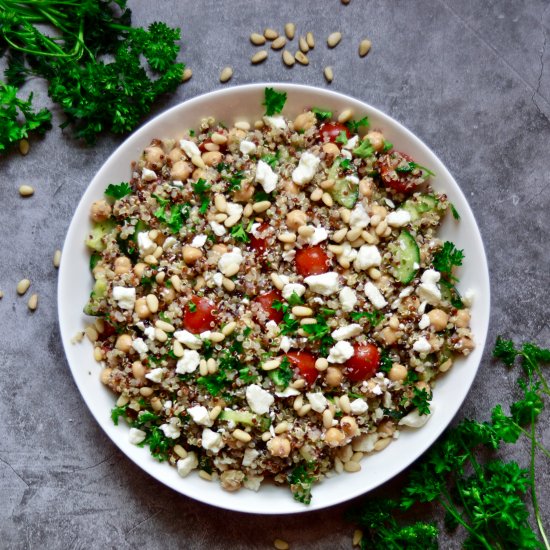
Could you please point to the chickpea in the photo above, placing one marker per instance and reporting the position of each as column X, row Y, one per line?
column 304, row 121
column 390, row 335
column 138, row 370
column 333, row 377
column 106, row 376
column 349, row 425
column 365, row 187
column 438, row 319
column 386, row 429
column 290, row 187
column 191, row 254
column 154, row 157
column 122, row 265
column 462, row 318
column 334, row 437
column 181, row 170
column 124, row 343
column 168, row 295
column 212, row 158
column 331, row 149
column 295, row 219
column 397, row 373
column 235, row 135
column 101, row 210
column 244, row 194
column 156, row 404
column 279, row 446
column 465, row 345
column 141, row 308
column 175, row 154
column 376, row 140
column 421, row 385
column 139, row 269
column 199, row 173
column 232, row 480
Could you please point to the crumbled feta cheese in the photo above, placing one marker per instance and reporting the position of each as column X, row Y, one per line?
column 218, row 228
column 320, row 234
column 304, row 172
column 234, row 209
column 266, row 177
column 422, row 345
column 253, row 483
column 292, row 288
column 346, row 154
column 348, row 252
column 389, row 202
column 249, row 456
column 325, row 284
column 258, row 399
column 140, row 346
column 340, row 352
column 289, row 255
column 415, row 420
column 188, row 362
column 288, row 392
column 189, row 148
column 406, row 292
column 167, row 405
column 347, row 332
column 286, row 343
column 145, row 244
column 364, row 443
column 205, row 335
column 276, row 122
column 187, row 464
column 176, row 183
column 218, row 278
column 198, row 241
column 317, row 401
column 424, row 322
column 359, row 217
column 188, row 339
column 227, row 260
column 150, row 333
column 172, row 428
column 468, row 297
column 169, row 243
column 148, row 175
column 136, row 436
column 428, row 291
column 254, row 229
column 200, row 415
column 212, row 441
column 351, row 143
column 398, row 218
column 368, row 256
column 155, row 375
column 126, row 297
column 358, row 406
column 348, row 299
column 375, row 296
column 246, row 147
column 353, row 179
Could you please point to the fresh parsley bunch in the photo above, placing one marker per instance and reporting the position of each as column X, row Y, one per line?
column 478, row 491
column 92, row 61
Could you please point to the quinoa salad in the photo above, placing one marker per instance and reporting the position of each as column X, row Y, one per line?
column 271, row 300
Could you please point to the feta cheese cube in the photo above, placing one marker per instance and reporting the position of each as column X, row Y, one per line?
column 266, row 177
column 351, row 143
column 249, row 456
column 287, row 392
column 359, row 406
column 259, row 400
column 145, row 244
column 340, row 352
column 136, row 436
column 234, row 209
column 188, row 362
column 292, row 288
column 347, row 332
column 307, row 166
column 200, row 415
column 212, row 441
column 229, row 259
column 246, row 147
column 286, row 343
column 149, row 333
column 198, row 241
column 218, row 278
column 368, row 256
column 172, row 428
column 325, row 284
column 428, row 291
column 188, row 339
column 156, row 375
column 317, row 401
column 398, row 218
column 148, row 175
column 218, row 228
column 415, row 420
column 422, row 345
column 375, row 296
column 320, row 234
column 424, row 322
column 277, row 122
column 359, row 217
column 189, row 148
column 348, row 298
column 140, row 346
column 126, row 297
column 187, row 464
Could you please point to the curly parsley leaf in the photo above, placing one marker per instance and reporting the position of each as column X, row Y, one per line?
column 446, row 259
column 355, row 125
column 320, row 332
column 201, row 188
column 373, row 317
column 409, row 167
column 454, row 212
column 241, row 233
column 321, row 114
column 117, row 412
column 271, row 160
column 421, row 400
column 364, row 150
column 282, row 375
column 301, row 480
column 342, row 138
column 273, row 101
column 388, row 146
column 118, row 191
column 295, row 300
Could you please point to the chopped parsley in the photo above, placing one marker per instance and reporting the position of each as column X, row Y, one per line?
column 271, row 160
column 345, row 164
column 117, row 412
column 118, row 191
column 447, row 258
column 385, row 361
column 341, row 138
column 421, row 400
column 174, row 216
column 373, row 317
column 295, row 300
column 388, row 146
column 289, row 325
column 454, row 212
column 192, row 306
column 409, row 167
column 320, row 332
column 234, row 179
column 354, row 125
column 321, row 114
column 301, row 480
column 94, row 259
column 246, row 375
column 364, row 150
column 282, row 375
column 201, row 188
column 273, row 101
column 241, row 233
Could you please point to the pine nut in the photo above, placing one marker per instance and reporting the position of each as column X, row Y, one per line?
column 321, row 364
column 357, row 457
column 26, row 191
column 212, row 365
column 374, row 273
column 306, row 231
column 290, row 30
column 345, row 115
column 329, row 74
column 310, row 40
column 217, row 337
column 288, row 58
column 152, row 303
column 33, row 303
column 327, row 184
column 99, row 355
column 336, row 249
column 146, row 391
column 357, row 534
column 308, row 321
column 381, row 227
column 215, row 412
column 24, row 147
column 231, row 269
column 177, row 348
column 280, row 544
column 277, row 281
column 187, row 74
column 257, row 39
column 278, row 43
column 327, row 199
column 338, row 465
column 229, row 328
column 22, row 286
column 160, row 335
column 205, row 475
column 90, row 331
column 259, row 57
column 242, row 125
column 302, row 311
column 298, row 384
column 316, row 195
column 302, row 42
column 261, row 206
column 226, row 74
column 352, row 466
column 301, row 58
column 266, row 436
column 282, row 428
column 218, row 139
column 334, row 39
column 345, row 404
column 220, row 218
column 197, row 161
column 298, row 403
column 353, row 234
column 232, row 220
column 287, row 237
column 180, row 451
column 176, row 282
column 228, row 284
column 364, row 47
column 271, row 34
column 203, row 368
column 272, row 364
column 241, row 435
column 57, row 258
column 304, row 410
column 247, row 212
column 166, row 327
column 381, row 444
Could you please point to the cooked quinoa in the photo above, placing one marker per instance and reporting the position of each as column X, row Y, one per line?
column 272, row 299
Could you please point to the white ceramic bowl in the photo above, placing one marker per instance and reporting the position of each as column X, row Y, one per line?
column 244, row 103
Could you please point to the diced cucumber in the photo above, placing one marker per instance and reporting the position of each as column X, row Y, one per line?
column 238, row 417
column 99, row 230
column 99, row 291
column 345, row 192
column 418, row 205
column 406, row 257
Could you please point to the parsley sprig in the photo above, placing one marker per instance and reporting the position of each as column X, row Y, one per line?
column 118, row 191
column 445, row 260
column 201, row 189
column 273, row 101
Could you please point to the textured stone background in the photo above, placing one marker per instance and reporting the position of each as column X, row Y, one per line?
column 467, row 76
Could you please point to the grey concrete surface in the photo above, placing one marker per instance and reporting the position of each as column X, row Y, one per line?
column 470, row 77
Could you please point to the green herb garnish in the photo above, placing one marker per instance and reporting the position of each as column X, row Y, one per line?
column 454, row 212
column 411, row 166
column 354, row 125
column 118, row 191
column 364, row 150
column 341, row 138
column 273, row 101
column 321, row 114
column 373, row 317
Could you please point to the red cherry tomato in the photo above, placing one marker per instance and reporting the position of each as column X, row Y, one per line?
column 305, row 363
column 312, row 260
column 400, row 181
column 331, row 130
column 266, row 302
column 258, row 244
column 108, row 330
column 203, row 149
column 363, row 363
column 200, row 319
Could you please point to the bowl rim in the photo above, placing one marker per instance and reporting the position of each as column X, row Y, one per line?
column 209, row 497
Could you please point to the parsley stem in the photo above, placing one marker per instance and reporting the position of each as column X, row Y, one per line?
column 533, row 487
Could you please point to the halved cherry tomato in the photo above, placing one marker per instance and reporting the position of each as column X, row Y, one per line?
column 266, row 301
column 305, row 363
column 258, row 244
column 312, row 260
column 363, row 363
column 202, row 147
column 402, row 182
column 108, row 330
column 200, row 319
column 331, row 130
